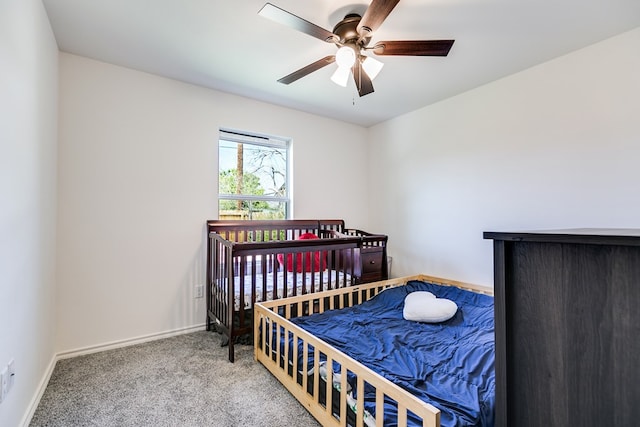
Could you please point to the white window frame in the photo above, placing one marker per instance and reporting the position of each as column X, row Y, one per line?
column 251, row 138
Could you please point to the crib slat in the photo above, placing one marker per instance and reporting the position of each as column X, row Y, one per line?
column 286, row 351
column 305, row 363
column 257, row 343
column 360, row 402
column 278, row 345
column 270, row 338
column 329, row 387
column 379, row 407
column 294, row 358
column 316, row 375
column 402, row 415
column 242, row 274
column 253, row 282
column 265, row 265
column 343, row 395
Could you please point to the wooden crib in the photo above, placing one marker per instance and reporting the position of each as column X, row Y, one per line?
column 253, row 261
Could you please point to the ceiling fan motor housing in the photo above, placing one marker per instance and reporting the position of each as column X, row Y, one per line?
column 347, row 32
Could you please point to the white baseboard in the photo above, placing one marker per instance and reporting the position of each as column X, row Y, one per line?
column 129, row 341
column 26, row 420
column 31, row 409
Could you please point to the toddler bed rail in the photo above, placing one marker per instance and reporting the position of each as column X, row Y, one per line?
column 287, row 351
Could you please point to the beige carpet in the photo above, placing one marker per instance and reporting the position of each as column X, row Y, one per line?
column 180, row 381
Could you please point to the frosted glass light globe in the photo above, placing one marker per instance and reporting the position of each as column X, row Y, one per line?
column 341, row 76
column 345, row 57
column 372, row 67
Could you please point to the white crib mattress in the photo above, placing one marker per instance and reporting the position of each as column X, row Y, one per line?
column 309, row 280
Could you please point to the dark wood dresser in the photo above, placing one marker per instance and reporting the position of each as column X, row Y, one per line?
column 567, row 307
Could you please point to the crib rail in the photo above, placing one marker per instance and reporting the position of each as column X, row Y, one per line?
column 273, row 230
column 238, row 269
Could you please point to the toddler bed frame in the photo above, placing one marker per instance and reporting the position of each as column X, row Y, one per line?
column 321, row 390
column 252, row 261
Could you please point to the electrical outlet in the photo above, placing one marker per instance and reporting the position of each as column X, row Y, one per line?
column 12, row 374
column 4, row 383
column 7, row 376
column 199, row 291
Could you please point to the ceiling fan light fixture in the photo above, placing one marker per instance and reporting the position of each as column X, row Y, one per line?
column 341, row 76
column 372, row 66
column 352, row 36
column 345, row 57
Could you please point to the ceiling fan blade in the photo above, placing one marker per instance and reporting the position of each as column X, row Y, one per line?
column 283, row 17
column 314, row 66
column 375, row 15
column 414, row 47
column 363, row 82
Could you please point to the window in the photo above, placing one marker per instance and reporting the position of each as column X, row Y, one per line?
column 253, row 176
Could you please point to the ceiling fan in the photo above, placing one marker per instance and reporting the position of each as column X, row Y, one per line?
column 352, row 35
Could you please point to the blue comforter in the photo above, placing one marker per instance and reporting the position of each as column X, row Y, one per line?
column 449, row 365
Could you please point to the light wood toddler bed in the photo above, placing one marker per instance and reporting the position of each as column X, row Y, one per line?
column 300, row 359
column 252, row 261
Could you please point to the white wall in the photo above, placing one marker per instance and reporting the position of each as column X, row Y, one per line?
column 138, row 180
column 28, row 117
column 555, row 146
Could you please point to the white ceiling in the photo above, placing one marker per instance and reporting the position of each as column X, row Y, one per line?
column 225, row 45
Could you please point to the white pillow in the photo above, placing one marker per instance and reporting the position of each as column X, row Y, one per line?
column 422, row 306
